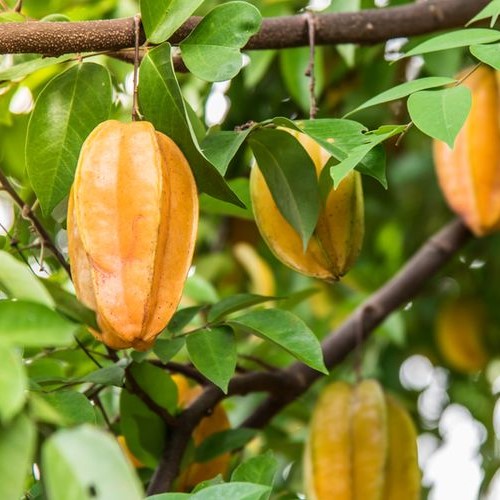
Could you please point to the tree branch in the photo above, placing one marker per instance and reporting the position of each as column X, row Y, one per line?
column 286, row 385
column 403, row 287
column 133, row 386
column 364, row 27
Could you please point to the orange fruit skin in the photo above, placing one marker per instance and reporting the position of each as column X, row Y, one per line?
column 362, row 446
column 132, row 221
column 460, row 334
column 337, row 239
column 132, row 458
column 469, row 173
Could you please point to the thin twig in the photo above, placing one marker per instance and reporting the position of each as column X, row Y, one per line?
column 18, row 6
column 4, row 5
column 187, row 370
column 98, row 402
column 28, row 214
column 93, row 391
column 87, row 353
column 134, row 387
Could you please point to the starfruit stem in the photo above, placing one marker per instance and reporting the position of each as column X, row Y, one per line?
column 87, row 353
column 137, row 32
column 468, row 74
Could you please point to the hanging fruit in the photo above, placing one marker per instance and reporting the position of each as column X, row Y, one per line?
column 361, row 446
column 217, row 421
column 338, row 236
column 460, row 333
column 469, row 174
column 132, row 221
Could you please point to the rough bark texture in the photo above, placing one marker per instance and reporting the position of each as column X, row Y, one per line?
column 365, row 27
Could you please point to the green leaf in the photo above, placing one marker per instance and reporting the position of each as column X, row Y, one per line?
column 143, row 429
column 33, row 325
column 293, row 64
column 86, row 462
column 213, row 353
column 13, row 383
column 158, row 91
column 70, row 106
column 359, row 154
column 441, row 113
column 455, row 39
column 23, row 69
column 235, row 303
column 161, row 18
column 491, row 10
column 156, row 383
column 110, row 375
column 221, row 147
column 241, row 187
column 259, row 470
column 488, row 54
column 340, row 137
column 19, row 282
column 42, row 411
column 232, row 491
column 17, row 447
column 169, row 496
column 166, row 349
column 218, row 479
column 72, row 407
column 291, row 177
column 404, row 90
column 286, row 330
column 223, row 442
column 182, row 318
column 199, row 289
column 212, row 50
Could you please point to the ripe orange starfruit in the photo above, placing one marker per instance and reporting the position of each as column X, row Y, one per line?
column 132, row 221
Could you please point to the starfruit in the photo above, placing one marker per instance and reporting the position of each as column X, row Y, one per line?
column 336, row 241
column 217, row 421
column 132, row 221
column 469, row 174
column 460, row 333
column 361, row 446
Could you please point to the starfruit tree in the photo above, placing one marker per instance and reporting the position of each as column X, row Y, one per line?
column 248, row 248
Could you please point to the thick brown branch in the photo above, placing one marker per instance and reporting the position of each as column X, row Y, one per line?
column 365, row 27
column 431, row 257
column 286, row 385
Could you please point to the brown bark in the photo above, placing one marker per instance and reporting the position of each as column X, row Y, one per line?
column 365, row 27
